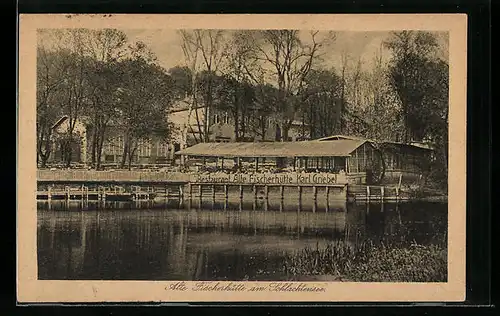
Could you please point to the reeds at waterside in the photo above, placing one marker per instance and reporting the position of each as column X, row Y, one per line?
column 368, row 262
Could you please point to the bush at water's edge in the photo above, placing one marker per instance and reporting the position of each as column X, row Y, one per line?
column 369, row 263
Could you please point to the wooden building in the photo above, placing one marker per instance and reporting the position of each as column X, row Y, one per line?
column 357, row 158
column 410, row 160
column 363, row 161
column 407, row 160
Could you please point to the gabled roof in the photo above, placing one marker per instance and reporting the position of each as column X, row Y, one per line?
column 340, row 148
column 82, row 119
column 340, row 137
column 59, row 121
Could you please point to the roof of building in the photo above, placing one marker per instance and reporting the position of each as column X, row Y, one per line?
column 82, row 119
column 418, row 145
column 338, row 137
column 340, row 148
column 413, row 145
column 59, row 121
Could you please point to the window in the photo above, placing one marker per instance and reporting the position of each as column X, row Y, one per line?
column 143, row 148
column 247, row 121
column 108, row 148
column 226, row 118
column 389, row 160
column 162, row 149
column 109, row 158
column 216, row 119
column 120, row 144
column 113, row 146
column 360, row 155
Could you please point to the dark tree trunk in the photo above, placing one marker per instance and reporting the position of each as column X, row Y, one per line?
column 130, row 156
column 208, row 108
column 43, row 159
column 68, row 152
column 286, row 130
column 38, row 146
column 278, row 133
column 237, row 135
column 99, row 148
column 94, row 146
column 311, row 123
column 342, row 104
column 263, row 129
column 126, row 145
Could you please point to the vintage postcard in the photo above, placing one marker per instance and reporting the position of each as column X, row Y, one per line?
column 241, row 158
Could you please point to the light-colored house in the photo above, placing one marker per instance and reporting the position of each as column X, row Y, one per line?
column 153, row 151
column 60, row 131
column 189, row 126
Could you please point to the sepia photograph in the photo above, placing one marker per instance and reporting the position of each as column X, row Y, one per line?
column 242, row 160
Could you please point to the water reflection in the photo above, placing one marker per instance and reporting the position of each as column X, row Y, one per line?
column 158, row 241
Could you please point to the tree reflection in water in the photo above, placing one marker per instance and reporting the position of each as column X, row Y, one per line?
column 154, row 241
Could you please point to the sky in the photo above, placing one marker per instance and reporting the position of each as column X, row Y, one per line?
column 165, row 43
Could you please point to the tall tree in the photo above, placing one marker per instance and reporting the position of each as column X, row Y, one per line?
column 344, row 65
column 289, row 59
column 377, row 111
column 87, row 50
column 144, row 98
column 413, row 53
column 238, row 68
column 104, row 85
column 75, row 89
column 211, row 46
column 421, row 79
column 322, row 106
column 51, row 67
column 105, row 48
column 181, row 77
column 191, row 51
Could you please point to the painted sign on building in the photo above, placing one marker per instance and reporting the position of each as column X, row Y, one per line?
column 288, row 178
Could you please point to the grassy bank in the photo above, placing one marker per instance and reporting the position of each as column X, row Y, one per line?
column 369, row 263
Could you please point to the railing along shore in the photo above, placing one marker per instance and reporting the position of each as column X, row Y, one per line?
column 292, row 178
column 116, row 175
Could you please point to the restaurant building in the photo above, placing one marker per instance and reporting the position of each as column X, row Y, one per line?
column 363, row 161
column 356, row 158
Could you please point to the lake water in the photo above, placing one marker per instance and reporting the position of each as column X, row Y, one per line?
column 214, row 241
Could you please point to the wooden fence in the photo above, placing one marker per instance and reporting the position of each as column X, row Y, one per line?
column 118, row 175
